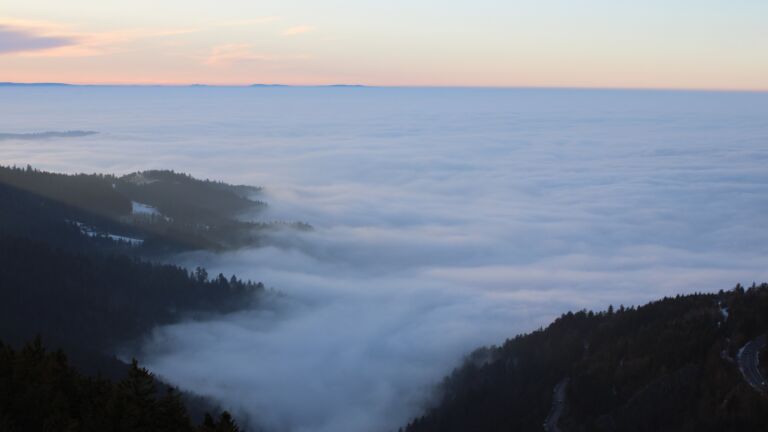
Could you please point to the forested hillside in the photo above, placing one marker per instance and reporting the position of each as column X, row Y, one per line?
column 74, row 271
column 666, row 366
column 154, row 212
column 40, row 392
column 91, row 301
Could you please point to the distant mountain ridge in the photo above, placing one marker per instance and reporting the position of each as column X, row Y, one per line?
column 41, row 84
column 256, row 85
column 309, row 86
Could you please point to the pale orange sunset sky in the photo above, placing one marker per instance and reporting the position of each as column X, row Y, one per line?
column 560, row 43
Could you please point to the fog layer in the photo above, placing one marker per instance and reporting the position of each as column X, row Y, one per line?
column 444, row 220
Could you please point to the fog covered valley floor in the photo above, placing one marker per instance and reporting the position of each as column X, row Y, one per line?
column 694, row 362
column 433, row 222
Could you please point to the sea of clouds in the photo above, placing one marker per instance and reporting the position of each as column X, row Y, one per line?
column 444, row 219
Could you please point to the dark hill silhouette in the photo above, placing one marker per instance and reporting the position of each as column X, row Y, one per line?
column 88, row 303
column 176, row 211
column 73, row 271
column 665, row 366
column 42, row 392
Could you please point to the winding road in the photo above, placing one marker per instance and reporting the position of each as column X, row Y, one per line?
column 558, row 405
column 749, row 363
column 748, row 360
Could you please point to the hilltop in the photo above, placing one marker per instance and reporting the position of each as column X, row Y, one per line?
column 155, row 212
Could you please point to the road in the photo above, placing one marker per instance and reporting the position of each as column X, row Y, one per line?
column 749, row 362
column 558, row 405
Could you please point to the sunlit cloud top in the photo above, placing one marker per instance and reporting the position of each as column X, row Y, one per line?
column 706, row 44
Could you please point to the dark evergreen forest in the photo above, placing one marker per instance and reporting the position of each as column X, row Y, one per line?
column 78, row 271
column 81, row 270
column 667, row 366
column 42, row 392
column 186, row 213
column 89, row 302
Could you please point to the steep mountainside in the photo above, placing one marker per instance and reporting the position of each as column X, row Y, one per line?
column 74, row 271
column 670, row 365
column 90, row 302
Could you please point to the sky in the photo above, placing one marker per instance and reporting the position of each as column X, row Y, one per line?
column 444, row 219
column 679, row 44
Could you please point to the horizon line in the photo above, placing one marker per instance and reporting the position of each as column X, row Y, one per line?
column 405, row 86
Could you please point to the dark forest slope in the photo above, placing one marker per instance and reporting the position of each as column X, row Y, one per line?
column 41, row 392
column 164, row 211
column 73, row 271
column 69, row 267
column 666, row 366
column 88, row 303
